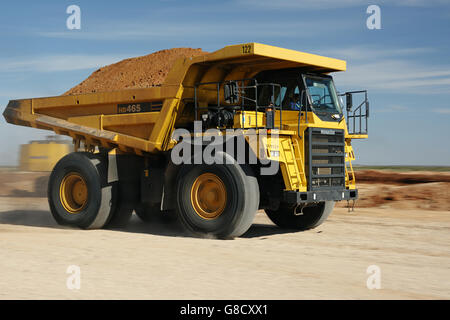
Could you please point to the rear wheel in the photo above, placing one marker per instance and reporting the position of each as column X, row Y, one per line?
column 310, row 217
column 219, row 200
column 78, row 193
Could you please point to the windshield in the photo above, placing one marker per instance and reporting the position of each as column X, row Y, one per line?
column 287, row 95
column 323, row 95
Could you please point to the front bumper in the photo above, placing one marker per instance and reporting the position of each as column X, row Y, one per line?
column 295, row 197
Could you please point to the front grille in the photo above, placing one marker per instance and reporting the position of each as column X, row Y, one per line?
column 325, row 158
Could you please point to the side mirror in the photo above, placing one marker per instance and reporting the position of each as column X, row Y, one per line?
column 349, row 99
column 231, row 92
column 367, row 109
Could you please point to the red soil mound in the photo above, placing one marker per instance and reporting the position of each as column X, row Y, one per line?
column 387, row 177
column 426, row 196
column 140, row 72
column 409, row 190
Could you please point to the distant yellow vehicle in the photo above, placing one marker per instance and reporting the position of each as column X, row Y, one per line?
column 150, row 149
column 42, row 155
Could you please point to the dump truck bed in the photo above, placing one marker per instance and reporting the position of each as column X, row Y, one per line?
column 142, row 120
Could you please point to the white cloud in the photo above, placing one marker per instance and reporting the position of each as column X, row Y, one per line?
column 361, row 53
column 416, row 3
column 441, row 110
column 145, row 30
column 53, row 63
column 333, row 4
column 6, row 95
column 392, row 69
column 393, row 108
column 396, row 75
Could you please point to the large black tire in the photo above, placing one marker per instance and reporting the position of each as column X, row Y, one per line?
column 311, row 217
column 231, row 219
column 82, row 175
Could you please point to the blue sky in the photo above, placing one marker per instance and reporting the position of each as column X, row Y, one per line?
column 405, row 65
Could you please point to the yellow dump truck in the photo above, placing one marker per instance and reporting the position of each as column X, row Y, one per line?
column 246, row 127
column 42, row 155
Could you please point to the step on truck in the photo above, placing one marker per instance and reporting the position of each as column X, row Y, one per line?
column 245, row 128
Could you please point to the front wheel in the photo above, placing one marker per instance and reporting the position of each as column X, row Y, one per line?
column 311, row 216
column 217, row 200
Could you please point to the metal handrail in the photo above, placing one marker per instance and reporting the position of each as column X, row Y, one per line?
column 241, row 89
column 353, row 115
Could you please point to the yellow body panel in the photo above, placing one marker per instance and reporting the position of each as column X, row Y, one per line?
column 249, row 119
column 95, row 118
column 243, row 60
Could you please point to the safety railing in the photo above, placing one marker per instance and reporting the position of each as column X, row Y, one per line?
column 239, row 94
column 357, row 118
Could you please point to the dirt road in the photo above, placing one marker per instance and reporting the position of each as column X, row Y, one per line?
column 411, row 248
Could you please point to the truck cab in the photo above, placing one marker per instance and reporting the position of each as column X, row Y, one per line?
column 306, row 112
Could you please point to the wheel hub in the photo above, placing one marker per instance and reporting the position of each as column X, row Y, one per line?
column 208, row 196
column 73, row 193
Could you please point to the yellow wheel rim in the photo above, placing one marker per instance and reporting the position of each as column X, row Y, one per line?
column 208, row 196
column 73, row 193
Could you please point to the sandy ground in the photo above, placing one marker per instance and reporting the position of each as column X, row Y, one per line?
column 411, row 248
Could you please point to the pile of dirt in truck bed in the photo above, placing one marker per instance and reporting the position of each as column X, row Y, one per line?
column 140, row 72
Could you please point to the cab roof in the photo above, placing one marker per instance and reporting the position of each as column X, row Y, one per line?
column 255, row 55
